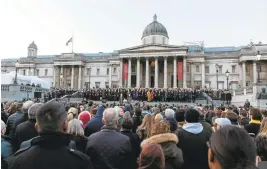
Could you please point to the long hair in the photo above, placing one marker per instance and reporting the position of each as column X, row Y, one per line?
column 75, row 128
column 263, row 128
column 233, row 148
column 147, row 124
column 151, row 157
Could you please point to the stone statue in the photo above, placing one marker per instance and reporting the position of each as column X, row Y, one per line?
column 263, row 94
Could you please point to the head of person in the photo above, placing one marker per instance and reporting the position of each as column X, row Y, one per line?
column 263, row 128
column 243, row 114
column 138, row 112
column 191, row 116
column 75, row 128
column 26, row 105
column 156, row 111
column 84, row 117
column 179, row 116
column 255, row 114
column 82, row 107
column 221, row 122
column 231, row 147
column 110, row 118
column 169, row 113
column 232, row 117
column 119, row 111
column 158, row 118
column 127, row 121
column 160, row 128
column 264, row 114
column 51, row 117
column 13, row 108
column 33, row 110
column 72, row 113
column 261, row 145
column 151, row 157
column 172, row 122
column 3, row 127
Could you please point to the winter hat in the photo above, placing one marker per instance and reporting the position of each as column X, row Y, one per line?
column 222, row 122
column 172, row 122
column 84, row 117
column 192, row 116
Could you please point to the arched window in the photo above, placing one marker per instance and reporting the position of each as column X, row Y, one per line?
column 163, row 40
column 153, row 39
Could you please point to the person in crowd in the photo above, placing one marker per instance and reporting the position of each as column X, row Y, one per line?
column 152, row 157
column 263, row 128
column 206, row 126
column 15, row 107
column 4, row 113
column 84, row 117
column 137, row 119
column 210, row 117
column 76, row 130
column 247, row 105
column 233, row 118
column 173, row 124
column 264, row 113
column 244, row 120
column 146, row 110
column 231, row 148
column 52, row 144
column 95, row 124
column 158, row 118
column 255, row 122
column 144, row 130
column 220, row 123
column 156, row 111
column 179, row 116
column 89, row 106
column 6, row 146
column 109, row 148
column 26, row 130
column 127, row 124
column 72, row 113
column 162, row 135
column 120, row 112
column 261, row 145
column 169, row 113
column 192, row 141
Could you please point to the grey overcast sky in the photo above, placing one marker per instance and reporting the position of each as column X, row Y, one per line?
column 107, row 25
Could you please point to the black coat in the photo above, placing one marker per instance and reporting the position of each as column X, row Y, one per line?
column 173, row 154
column 253, row 128
column 24, row 131
column 95, row 124
column 10, row 131
column 80, row 142
column 50, row 150
column 109, row 149
column 137, row 120
column 195, row 149
column 135, row 141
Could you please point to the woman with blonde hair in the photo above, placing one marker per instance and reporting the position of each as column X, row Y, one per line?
column 158, row 118
column 144, row 130
column 263, row 128
column 76, row 131
column 72, row 114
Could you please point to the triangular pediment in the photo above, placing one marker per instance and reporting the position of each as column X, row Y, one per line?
column 154, row 47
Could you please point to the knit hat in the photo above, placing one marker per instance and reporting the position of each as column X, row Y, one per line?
column 222, row 122
column 172, row 122
column 192, row 116
column 84, row 117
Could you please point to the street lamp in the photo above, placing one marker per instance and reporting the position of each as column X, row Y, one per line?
column 89, row 82
column 217, row 70
column 61, row 79
column 16, row 75
column 258, row 57
column 227, row 78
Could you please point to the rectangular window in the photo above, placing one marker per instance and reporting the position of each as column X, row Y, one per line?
column 87, row 71
column 97, row 84
column 197, row 69
column 233, row 69
column 114, row 70
column 24, row 72
column 207, row 69
column 46, row 72
column 133, row 68
column 107, row 71
column 187, row 69
column 106, row 85
column 37, row 72
column 220, row 69
column 97, row 71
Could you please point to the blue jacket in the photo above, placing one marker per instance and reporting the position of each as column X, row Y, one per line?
column 95, row 124
column 6, row 147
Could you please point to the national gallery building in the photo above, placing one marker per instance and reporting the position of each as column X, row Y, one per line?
column 154, row 63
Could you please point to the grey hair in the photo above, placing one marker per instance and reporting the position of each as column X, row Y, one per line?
column 33, row 110
column 26, row 106
column 110, row 117
column 75, row 128
column 169, row 113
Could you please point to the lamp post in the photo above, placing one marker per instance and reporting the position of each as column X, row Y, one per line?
column 258, row 57
column 89, row 82
column 61, row 80
column 217, row 70
column 227, row 78
column 16, row 75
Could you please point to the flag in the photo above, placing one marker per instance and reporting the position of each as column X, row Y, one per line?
column 69, row 41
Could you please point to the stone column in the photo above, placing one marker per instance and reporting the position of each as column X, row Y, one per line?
column 61, row 80
column 129, row 72
column 203, row 75
column 254, row 72
column 244, row 73
column 165, row 73
column 54, row 76
column 147, row 72
column 121, row 72
column 80, row 77
column 240, row 74
column 184, row 73
column 192, row 75
column 138, row 73
column 110, row 76
column 174, row 72
column 72, row 76
column 156, row 79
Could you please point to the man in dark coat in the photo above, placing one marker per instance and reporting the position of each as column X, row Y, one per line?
column 109, row 148
column 11, row 119
column 26, row 130
column 50, row 149
column 95, row 124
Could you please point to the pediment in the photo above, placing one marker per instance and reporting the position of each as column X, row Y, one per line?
column 153, row 47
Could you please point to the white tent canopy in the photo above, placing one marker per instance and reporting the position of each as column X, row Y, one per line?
column 8, row 78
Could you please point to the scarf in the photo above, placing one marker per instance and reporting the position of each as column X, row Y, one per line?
column 255, row 121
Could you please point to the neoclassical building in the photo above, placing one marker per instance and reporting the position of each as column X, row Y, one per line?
column 152, row 64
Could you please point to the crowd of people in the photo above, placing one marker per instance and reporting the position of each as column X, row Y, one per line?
column 101, row 136
column 142, row 94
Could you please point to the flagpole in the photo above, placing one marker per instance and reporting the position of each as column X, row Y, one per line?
column 72, row 42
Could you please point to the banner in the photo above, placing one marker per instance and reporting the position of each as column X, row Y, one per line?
column 125, row 71
column 180, row 70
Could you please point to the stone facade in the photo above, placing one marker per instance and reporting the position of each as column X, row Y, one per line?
column 155, row 63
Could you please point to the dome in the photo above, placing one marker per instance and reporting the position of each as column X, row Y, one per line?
column 155, row 28
column 32, row 45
